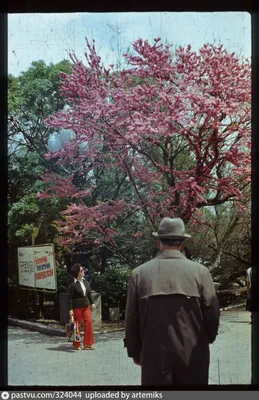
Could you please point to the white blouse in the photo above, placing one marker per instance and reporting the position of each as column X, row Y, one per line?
column 82, row 285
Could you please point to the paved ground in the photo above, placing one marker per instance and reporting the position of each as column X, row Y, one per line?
column 231, row 352
column 38, row 359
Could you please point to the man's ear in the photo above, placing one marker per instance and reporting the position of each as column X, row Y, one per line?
column 158, row 244
column 182, row 246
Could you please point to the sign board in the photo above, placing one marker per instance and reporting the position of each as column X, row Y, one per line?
column 37, row 267
column 26, row 266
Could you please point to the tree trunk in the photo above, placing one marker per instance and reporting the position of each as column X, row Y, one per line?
column 104, row 256
column 216, row 263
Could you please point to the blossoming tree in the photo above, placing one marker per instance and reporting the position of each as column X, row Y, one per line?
column 168, row 135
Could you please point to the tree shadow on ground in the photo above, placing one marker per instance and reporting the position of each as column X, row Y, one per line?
column 63, row 347
column 101, row 338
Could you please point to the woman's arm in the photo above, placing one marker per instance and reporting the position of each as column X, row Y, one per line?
column 90, row 297
column 70, row 298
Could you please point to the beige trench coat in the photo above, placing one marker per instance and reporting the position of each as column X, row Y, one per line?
column 172, row 315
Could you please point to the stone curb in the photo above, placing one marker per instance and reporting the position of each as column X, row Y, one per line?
column 48, row 330
column 60, row 332
column 36, row 327
column 230, row 307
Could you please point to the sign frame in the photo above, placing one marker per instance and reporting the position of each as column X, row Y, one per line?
column 24, row 287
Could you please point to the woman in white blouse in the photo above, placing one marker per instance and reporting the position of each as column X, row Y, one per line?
column 80, row 303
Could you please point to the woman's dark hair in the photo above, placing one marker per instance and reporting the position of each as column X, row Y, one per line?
column 75, row 270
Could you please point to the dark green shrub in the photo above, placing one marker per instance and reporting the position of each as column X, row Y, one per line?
column 113, row 286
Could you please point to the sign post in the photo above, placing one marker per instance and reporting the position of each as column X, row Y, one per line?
column 37, row 270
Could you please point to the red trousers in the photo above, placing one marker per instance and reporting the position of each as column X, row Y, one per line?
column 85, row 315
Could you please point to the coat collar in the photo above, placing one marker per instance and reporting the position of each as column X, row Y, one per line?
column 170, row 254
column 80, row 286
column 75, row 280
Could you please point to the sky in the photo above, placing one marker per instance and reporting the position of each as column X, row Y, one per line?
column 50, row 37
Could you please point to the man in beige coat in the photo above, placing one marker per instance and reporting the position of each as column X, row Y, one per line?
column 172, row 313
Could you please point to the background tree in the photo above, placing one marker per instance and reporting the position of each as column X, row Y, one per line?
column 224, row 243
column 32, row 96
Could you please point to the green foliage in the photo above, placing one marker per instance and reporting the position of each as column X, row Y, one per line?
column 37, row 89
column 112, row 285
column 14, row 98
column 32, row 97
column 26, row 211
column 61, row 279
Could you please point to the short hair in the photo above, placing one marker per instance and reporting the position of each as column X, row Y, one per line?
column 75, row 270
column 171, row 241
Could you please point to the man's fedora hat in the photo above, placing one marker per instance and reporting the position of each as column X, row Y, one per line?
column 171, row 228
